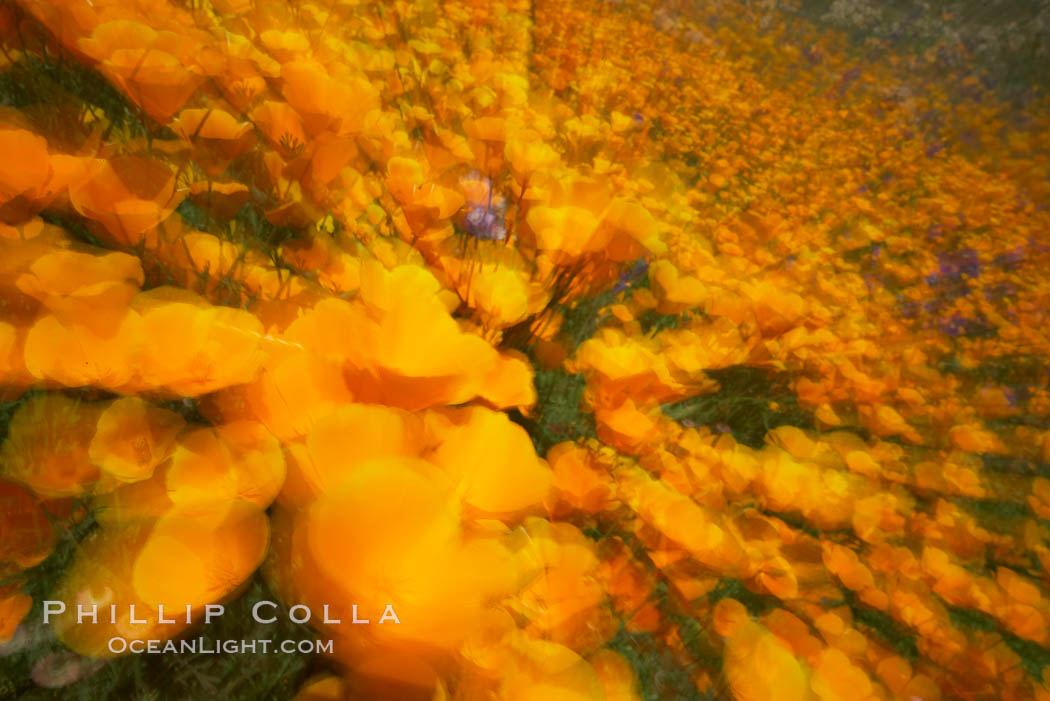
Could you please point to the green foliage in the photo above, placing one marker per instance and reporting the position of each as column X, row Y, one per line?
column 74, row 225
column 557, row 414
column 1005, row 39
column 1034, row 657
column 1004, row 369
column 750, row 401
column 253, row 222
column 998, row 514
column 1015, row 465
column 154, row 677
column 52, row 92
column 193, row 215
column 187, row 407
column 884, row 627
column 8, row 409
column 756, row 604
column 582, row 320
column 799, row 523
column 661, row 676
column 176, row 676
column 652, row 322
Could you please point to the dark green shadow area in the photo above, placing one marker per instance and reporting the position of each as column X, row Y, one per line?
column 750, row 402
column 177, row 676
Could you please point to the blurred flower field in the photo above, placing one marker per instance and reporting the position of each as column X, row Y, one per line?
column 628, row 350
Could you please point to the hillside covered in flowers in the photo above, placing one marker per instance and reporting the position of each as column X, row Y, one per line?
column 621, row 350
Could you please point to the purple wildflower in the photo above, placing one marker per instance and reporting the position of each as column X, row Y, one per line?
column 1010, row 259
column 934, row 149
column 632, row 275
column 485, row 223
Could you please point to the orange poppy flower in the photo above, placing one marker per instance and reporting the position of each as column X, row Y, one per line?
column 291, row 393
column 128, row 195
column 326, row 103
column 282, row 126
column 630, row 587
column 220, row 200
column 898, row 676
column 836, row 678
column 626, row 426
column 629, row 232
column 425, row 202
column 257, row 460
column 175, row 561
column 322, row 688
column 728, row 615
column 778, row 578
column 242, row 71
column 382, row 365
column 84, row 288
column 132, row 437
column 78, row 356
column 564, row 598
column 12, row 367
column 355, row 433
column 208, row 471
column 886, row 421
column 100, row 576
column 486, row 136
column 1025, row 621
column 527, row 155
column 47, row 446
column 626, row 369
column 27, row 533
column 498, row 284
column 566, row 231
column 845, row 564
column 14, row 605
column 577, row 482
column 31, row 153
column 356, row 552
column 493, row 462
column 334, row 156
column 195, row 348
column 542, row 669
column 761, row 667
column 794, row 631
column 974, row 439
column 619, row 681
column 777, row 310
column 186, row 562
column 216, row 135
column 155, row 69
column 677, row 292
column 285, row 45
column 200, row 480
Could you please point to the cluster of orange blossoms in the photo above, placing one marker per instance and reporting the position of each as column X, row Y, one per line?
column 283, row 284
